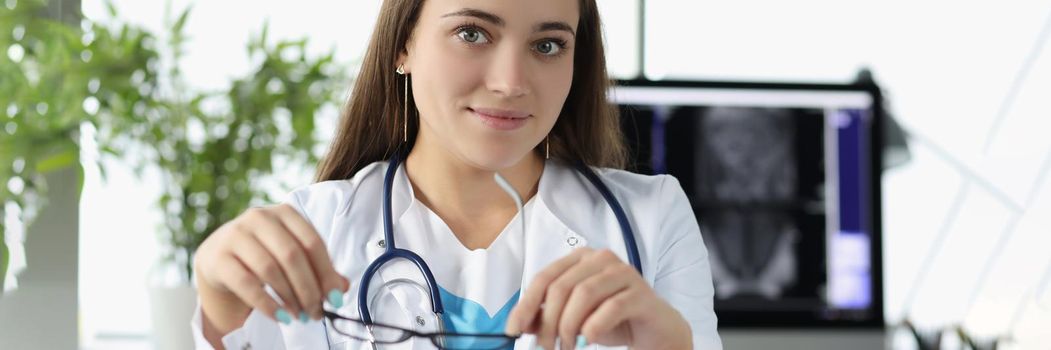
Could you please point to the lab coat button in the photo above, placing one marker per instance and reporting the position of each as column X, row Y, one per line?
column 382, row 243
column 419, row 321
column 572, row 241
column 247, row 347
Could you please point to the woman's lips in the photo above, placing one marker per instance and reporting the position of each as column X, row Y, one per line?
column 500, row 119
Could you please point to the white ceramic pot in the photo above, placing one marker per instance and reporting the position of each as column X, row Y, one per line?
column 171, row 309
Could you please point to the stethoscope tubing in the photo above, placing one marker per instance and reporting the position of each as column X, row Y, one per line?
column 393, row 252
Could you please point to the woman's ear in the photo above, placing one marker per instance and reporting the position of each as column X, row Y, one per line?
column 402, row 62
column 404, row 56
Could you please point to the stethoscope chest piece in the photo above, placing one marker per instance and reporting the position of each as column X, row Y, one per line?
column 405, row 303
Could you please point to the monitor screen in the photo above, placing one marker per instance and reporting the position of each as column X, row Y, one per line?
column 784, row 184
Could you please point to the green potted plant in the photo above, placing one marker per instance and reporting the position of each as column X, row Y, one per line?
column 50, row 75
column 210, row 147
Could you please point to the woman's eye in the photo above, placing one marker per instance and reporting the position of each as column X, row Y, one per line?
column 473, row 36
column 549, row 48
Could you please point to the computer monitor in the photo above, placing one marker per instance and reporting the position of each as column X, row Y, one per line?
column 784, row 181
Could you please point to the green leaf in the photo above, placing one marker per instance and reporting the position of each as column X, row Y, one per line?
column 5, row 257
column 266, row 31
column 103, row 174
column 111, row 8
column 181, row 22
column 61, row 160
column 80, row 179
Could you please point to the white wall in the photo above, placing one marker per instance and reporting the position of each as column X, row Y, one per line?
column 967, row 224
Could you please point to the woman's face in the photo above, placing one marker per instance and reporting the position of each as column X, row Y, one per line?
column 489, row 77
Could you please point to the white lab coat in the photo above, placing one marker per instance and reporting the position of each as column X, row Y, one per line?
column 568, row 209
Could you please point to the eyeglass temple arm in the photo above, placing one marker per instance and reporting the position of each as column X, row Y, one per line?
column 510, row 190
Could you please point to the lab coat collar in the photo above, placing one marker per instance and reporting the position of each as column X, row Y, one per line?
column 560, row 185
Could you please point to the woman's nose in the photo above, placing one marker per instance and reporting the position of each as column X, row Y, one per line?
column 508, row 74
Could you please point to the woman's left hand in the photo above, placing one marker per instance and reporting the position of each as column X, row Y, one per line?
column 592, row 293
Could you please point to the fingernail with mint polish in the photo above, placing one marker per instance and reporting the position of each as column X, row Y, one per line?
column 335, row 297
column 581, row 342
column 303, row 317
column 282, row 316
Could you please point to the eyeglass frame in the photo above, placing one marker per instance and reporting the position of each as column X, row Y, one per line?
column 409, row 334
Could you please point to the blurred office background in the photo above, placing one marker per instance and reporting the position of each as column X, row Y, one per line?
column 966, row 212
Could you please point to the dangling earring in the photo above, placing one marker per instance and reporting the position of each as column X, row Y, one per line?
column 405, row 109
column 547, row 147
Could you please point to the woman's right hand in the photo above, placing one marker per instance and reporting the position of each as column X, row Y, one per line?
column 272, row 246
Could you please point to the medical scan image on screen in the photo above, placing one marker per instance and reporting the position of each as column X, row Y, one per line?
column 778, row 192
column 746, row 189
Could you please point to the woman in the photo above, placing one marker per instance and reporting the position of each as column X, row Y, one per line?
column 468, row 89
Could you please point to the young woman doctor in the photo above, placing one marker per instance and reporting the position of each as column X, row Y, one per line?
column 463, row 89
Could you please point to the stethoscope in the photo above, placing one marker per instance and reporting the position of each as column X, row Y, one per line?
column 392, row 252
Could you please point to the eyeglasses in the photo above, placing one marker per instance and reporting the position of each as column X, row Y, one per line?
column 378, row 333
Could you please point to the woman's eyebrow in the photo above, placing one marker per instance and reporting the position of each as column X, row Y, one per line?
column 496, row 20
column 563, row 26
column 485, row 16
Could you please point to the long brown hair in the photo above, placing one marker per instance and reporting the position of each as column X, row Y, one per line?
column 587, row 130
